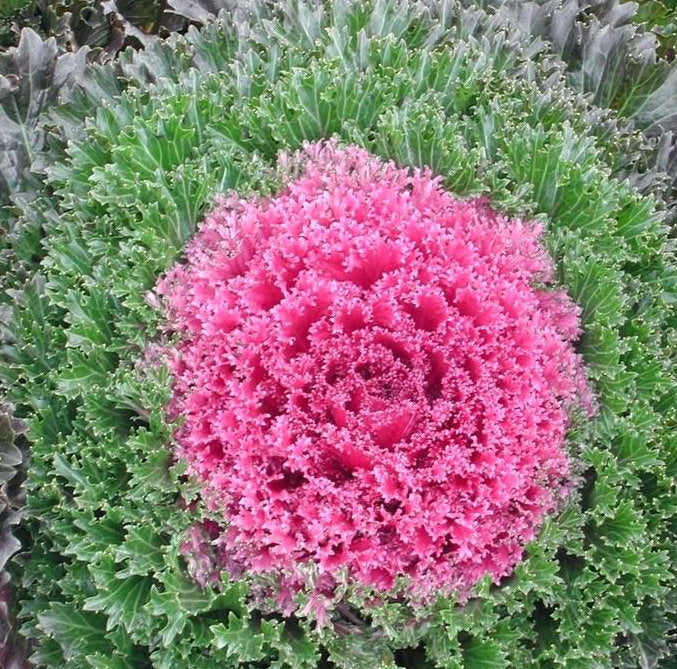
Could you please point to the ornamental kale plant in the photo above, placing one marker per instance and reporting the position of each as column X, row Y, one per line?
column 405, row 396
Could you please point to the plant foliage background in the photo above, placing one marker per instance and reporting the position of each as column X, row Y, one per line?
column 564, row 111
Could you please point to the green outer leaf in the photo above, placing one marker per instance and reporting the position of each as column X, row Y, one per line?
column 74, row 629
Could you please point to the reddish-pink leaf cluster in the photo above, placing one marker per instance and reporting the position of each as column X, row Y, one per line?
column 369, row 377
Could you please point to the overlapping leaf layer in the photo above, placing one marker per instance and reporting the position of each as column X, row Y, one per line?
column 461, row 90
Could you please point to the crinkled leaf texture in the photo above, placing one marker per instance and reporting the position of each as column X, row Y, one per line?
column 426, row 84
column 31, row 78
column 614, row 61
column 201, row 11
column 105, row 26
column 11, row 459
column 13, row 466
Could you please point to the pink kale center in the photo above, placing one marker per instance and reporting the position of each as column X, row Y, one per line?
column 369, row 377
